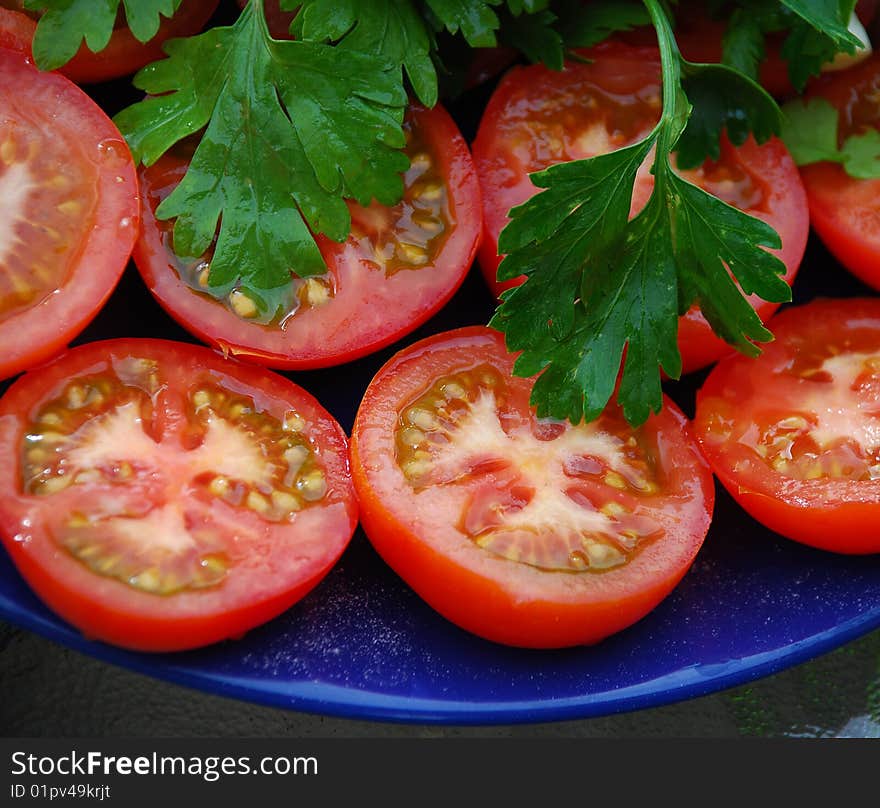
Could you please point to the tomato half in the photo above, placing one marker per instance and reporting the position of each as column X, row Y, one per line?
column 16, row 30
column 399, row 266
column 794, row 435
column 845, row 211
column 160, row 497
column 538, row 117
column 125, row 54
column 70, row 210
column 529, row 533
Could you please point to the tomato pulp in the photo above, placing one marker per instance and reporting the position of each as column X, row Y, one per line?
column 70, row 209
column 125, row 54
column 160, row 497
column 529, row 533
column 844, row 210
column 538, row 117
column 794, row 435
column 399, row 266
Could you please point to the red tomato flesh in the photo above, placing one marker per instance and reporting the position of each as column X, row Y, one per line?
column 794, row 435
column 525, row 532
column 844, row 210
column 125, row 54
column 70, row 211
column 399, row 266
column 159, row 497
column 538, row 117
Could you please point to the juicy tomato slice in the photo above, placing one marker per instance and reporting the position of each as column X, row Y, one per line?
column 844, row 210
column 160, row 497
column 538, row 117
column 70, row 211
column 125, row 54
column 794, row 435
column 399, row 266
column 16, row 30
column 527, row 532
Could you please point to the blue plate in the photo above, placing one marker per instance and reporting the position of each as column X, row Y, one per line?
column 362, row 645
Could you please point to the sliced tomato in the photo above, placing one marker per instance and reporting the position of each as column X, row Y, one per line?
column 398, row 267
column 160, row 497
column 538, row 117
column 70, row 210
column 125, row 54
column 845, row 211
column 16, row 30
column 526, row 532
column 794, row 435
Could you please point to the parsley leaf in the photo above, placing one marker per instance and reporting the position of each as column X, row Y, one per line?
column 587, row 24
column 743, row 47
column 292, row 128
column 810, row 130
column 535, row 36
column 599, row 284
column 66, row 23
column 818, row 33
column 723, row 99
column 476, row 19
column 389, row 29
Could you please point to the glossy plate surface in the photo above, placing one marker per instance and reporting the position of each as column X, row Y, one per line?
column 362, row 645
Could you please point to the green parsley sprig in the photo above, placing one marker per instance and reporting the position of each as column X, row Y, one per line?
column 599, row 284
column 66, row 24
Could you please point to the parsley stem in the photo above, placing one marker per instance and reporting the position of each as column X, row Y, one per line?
column 675, row 110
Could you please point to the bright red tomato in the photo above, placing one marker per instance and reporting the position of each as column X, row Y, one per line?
column 794, row 435
column 16, row 30
column 537, row 117
column 160, row 497
column 124, row 54
column 398, row 267
column 845, row 211
column 70, row 209
column 529, row 533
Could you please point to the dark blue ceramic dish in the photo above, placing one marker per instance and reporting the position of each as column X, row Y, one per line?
column 362, row 645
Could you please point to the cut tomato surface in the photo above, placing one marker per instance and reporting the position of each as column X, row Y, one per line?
column 794, row 435
column 125, row 54
column 538, row 117
column 844, row 210
column 160, row 497
column 70, row 211
column 398, row 267
column 529, row 533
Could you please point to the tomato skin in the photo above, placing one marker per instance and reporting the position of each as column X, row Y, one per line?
column 16, row 31
column 844, row 210
column 495, row 598
column 282, row 565
column 837, row 515
column 369, row 311
column 626, row 71
column 104, row 253
column 125, row 54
